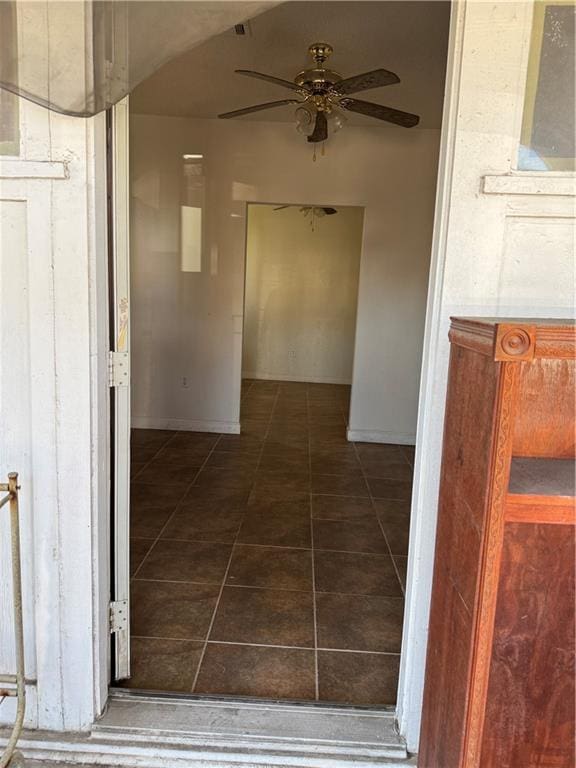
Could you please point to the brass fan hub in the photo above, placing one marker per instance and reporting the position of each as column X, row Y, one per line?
column 320, row 52
column 317, row 79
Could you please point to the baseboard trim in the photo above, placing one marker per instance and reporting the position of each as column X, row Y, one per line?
column 298, row 380
column 380, row 436
column 192, row 425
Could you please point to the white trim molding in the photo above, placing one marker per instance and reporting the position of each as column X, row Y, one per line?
column 380, row 436
column 32, row 169
column 529, row 184
column 192, row 425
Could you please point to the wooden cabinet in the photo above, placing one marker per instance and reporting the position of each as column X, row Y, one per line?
column 499, row 690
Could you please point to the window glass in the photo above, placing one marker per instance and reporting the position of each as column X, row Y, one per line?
column 9, row 113
column 549, row 125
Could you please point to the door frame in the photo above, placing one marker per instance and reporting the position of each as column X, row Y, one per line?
column 420, row 558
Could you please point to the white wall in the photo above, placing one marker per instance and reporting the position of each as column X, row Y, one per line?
column 189, row 325
column 301, row 294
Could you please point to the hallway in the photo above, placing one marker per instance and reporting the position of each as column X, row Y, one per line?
column 272, row 563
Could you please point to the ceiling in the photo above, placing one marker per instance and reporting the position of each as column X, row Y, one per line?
column 405, row 36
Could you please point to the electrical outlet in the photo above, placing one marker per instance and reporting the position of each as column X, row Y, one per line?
column 292, row 353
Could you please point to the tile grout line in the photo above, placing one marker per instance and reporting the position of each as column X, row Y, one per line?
column 380, row 523
column 314, row 606
column 264, row 645
column 178, row 505
column 224, row 578
column 272, row 546
column 146, row 463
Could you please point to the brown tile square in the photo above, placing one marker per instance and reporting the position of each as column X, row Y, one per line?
column 281, row 527
column 139, row 548
column 395, row 520
column 278, row 442
column 281, row 485
column 264, row 616
column 186, row 561
column 293, row 459
column 164, row 497
column 238, row 479
column 351, row 573
column 380, row 452
column 360, row 536
column 361, row 679
column 244, row 460
column 183, row 455
column 402, row 567
column 390, row 470
column 157, row 472
column 255, row 427
column 339, row 485
column 142, row 454
column 163, row 665
column 241, row 443
column 248, row 670
column 270, row 567
column 390, row 489
column 409, row 452
column 150, row 436
column 172, row 609
column 335, row 461
column 147, row 523
column 186, row 439
column 135, row 469
column 359, row 622
column 204, row 525
column 344, row 508
column 231, row 498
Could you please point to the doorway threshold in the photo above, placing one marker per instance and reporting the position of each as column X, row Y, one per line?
column 253, row 733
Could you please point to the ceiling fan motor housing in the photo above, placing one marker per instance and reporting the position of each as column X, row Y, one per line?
column 318, row 79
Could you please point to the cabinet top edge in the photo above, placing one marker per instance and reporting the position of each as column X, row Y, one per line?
column 510, row 339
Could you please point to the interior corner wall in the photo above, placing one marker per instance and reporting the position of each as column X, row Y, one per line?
column 301, row 293
column 186, row 331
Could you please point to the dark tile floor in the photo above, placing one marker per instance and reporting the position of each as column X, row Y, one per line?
column 272, row 563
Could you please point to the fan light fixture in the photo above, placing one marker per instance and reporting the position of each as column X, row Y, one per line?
column 324, row 95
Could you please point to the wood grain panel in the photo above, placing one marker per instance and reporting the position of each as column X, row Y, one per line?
column 530, row 707
column 546, row 409
column 555, row 510
column 464, row 489
column 447, row 669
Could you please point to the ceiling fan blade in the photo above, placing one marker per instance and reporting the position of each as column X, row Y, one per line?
column 329, row 211
column 320, row 132
column 270, row 79
column 374, row 79
column 258, row 107
column 380, row 112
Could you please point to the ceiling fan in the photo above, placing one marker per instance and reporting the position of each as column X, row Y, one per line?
column 318, row 210
column 323, row 93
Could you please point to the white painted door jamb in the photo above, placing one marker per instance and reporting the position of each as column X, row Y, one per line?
column 119, row 368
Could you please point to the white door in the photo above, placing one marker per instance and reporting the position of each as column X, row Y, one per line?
column 503, row 239
column 120, row 383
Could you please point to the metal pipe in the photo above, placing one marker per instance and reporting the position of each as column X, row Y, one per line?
column 18, row 619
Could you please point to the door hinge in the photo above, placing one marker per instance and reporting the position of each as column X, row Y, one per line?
column 118, row 615
column 118, row 369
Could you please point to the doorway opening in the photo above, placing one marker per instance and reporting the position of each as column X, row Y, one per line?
column 269, row 516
